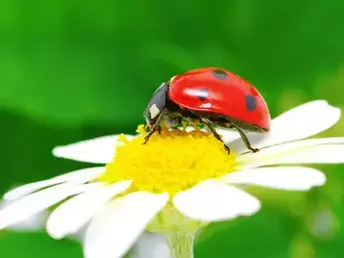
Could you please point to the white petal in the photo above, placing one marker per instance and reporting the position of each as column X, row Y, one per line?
column 120, row 223
column 80, row 234
column 151, row 245
column 32, row 223
column 228, row 135
column 78, row 176
column 215, row 201
column 37, row 202
column 71, row 215
column 286, row 178
column 320, row 150
column 300, row 122
column 305, row 121
column 100, row 150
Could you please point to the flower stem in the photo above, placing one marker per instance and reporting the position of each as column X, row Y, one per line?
column 181, row 244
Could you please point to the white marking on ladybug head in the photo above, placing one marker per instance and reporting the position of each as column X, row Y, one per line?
column 153, row 111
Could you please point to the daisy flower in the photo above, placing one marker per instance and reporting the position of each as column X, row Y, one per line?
column 175, row 184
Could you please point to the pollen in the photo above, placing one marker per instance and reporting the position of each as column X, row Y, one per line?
column 171, row 161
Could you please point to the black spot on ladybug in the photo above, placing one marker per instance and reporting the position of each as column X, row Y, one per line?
column 221, row 75
column 251, row 102
column 203, row 94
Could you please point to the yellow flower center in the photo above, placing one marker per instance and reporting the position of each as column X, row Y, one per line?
column 171, row 161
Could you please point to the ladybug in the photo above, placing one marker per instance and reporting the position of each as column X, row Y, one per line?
column 210, row 96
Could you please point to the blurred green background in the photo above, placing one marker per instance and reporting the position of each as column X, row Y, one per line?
column 73, row 70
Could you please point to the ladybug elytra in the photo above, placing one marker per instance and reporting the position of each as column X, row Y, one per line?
column 210, row 96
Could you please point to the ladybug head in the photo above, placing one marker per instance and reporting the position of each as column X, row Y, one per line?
column 156, row 105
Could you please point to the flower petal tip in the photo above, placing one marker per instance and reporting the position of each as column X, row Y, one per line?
column 57, row 151
column 320, row 179
column 55, row 235
column 205, row 202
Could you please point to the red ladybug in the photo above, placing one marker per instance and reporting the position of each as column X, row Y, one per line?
column 209, row 96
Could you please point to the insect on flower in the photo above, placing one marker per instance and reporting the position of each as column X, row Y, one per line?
column 212, row 97
column 182, row 180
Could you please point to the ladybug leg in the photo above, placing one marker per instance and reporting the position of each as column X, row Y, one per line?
column 244, row 138
column 149, row 135
column 163, row 124
column 175, row 122
column 156, row 126
column 216, row 135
